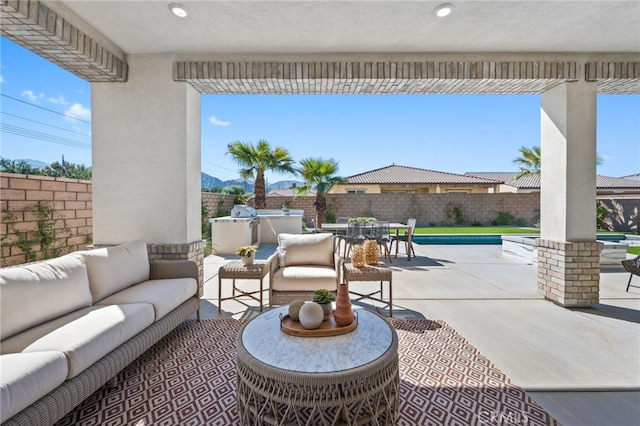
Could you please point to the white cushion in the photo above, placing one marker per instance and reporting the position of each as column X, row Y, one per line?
column 25, row 378
column 305, row 249
column 86, row 335
column 112, row 269
column 304, row 278
column 35, row 293
column 163, row 295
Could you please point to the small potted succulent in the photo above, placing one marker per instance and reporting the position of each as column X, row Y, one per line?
column 324, row 297
column 247, row 254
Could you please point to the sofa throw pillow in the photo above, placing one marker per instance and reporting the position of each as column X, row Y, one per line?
column 33, row 294
column 112, row 269
column 305, row 249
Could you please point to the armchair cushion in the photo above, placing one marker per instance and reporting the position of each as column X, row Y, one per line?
column 305, row 249
column 304, row 278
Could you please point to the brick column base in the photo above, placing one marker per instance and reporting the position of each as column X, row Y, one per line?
column 569, row 273
column 190, row 251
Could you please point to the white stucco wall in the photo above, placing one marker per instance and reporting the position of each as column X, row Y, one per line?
column 146, row 156
column 568, row 164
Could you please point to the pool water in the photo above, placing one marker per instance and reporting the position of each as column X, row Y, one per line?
column 487, row 238
column 457, row 239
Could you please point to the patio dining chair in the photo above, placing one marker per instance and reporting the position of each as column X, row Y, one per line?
column 356, row 234
column 411, row 222
column 380, row 232
column 340, row 235
column 633, row 267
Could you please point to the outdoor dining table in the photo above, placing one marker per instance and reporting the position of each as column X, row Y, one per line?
column 342, row 227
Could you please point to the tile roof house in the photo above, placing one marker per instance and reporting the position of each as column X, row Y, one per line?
column 531, row 183
column 632, row 177
column 396, row 178
column 288, row 192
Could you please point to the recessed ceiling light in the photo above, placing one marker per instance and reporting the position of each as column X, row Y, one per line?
column 179, row 10
column 443, row 10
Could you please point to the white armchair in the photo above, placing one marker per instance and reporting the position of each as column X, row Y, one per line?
column 302, row 264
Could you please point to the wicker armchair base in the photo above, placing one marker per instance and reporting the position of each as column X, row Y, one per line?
column 633, row 267
column 57, row 403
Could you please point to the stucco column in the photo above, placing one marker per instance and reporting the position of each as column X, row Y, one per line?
column 146, row 160
column 568, row 255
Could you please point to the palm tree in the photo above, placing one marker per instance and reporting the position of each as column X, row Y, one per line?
column 319, row 174
column 255, row 159
column 530, row 160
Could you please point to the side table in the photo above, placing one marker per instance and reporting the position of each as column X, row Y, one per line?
column 237, row 270
column 379, row 272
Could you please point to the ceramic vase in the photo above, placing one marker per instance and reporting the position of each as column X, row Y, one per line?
column 247, row 260
column 343, row 314
column 371, row 252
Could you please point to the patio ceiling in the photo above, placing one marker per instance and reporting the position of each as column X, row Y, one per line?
column 353, row 46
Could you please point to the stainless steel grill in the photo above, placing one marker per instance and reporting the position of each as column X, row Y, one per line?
column 242, row 210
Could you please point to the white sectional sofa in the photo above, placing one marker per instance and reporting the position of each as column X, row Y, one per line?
column 68, row 325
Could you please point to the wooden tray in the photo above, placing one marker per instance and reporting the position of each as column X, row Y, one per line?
column 327, row 328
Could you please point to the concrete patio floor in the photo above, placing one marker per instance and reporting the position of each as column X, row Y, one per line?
column 581, row 365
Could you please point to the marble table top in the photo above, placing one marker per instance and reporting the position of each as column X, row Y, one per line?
column 263, row 339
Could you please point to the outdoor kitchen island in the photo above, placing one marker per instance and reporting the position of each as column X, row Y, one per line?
column 246, row 226
column 230, row 232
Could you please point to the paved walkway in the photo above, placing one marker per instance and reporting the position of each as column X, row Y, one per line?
column 581, row 365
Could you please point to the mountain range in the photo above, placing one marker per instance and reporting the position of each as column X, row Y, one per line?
column 211, row 181
column 206, row 181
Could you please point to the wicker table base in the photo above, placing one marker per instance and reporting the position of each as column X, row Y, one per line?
column 364, row 394
column 379, row 273
column 237, row 270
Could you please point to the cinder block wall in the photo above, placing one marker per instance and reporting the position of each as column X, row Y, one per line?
column 428, row 209
column 71, row 202
column 71, row 220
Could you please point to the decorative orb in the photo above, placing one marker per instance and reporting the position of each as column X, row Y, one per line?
column 294, row 309
column 311, row 315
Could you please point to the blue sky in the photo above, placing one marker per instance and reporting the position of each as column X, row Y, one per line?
column 450, row 133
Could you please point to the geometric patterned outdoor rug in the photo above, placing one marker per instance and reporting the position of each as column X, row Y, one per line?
column 188, row 378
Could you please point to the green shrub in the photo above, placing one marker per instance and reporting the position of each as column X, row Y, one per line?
column 521, row 221
column 602, row 212
column 455, row 212
column 503, row 218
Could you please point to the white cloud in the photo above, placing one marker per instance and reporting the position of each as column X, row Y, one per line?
column 32, row 96
column 78, row 111
column 59, row 100
column 216, row 122
column 1, row 79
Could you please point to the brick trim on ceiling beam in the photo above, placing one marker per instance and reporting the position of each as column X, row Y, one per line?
column 374, row 77
column 614, row 77
column 39, row 29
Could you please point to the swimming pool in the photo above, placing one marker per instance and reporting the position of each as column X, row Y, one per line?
column 428, row 239
column 457, row 239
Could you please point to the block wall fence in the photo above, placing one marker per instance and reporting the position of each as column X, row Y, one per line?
column 72, row 227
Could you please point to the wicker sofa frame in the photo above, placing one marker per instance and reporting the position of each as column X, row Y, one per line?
column 57, row 403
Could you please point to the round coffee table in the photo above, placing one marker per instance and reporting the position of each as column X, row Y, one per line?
column 289, row 380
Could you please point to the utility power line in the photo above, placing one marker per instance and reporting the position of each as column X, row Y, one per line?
column 32, row 134
column 46, row 109
column 45, row 124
